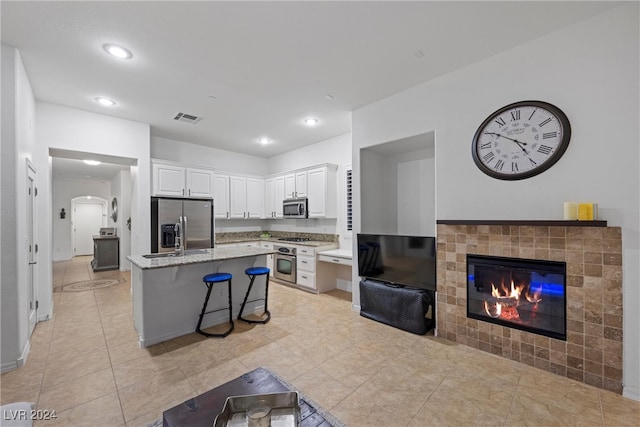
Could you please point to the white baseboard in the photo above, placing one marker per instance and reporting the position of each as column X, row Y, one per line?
column 9, row 366
column 15, row 364
column 632, row 393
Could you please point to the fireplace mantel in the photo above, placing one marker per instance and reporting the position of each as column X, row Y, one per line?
column 535, row 223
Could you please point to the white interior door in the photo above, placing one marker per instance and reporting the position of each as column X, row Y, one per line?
column 87, row 220
column 33, row 248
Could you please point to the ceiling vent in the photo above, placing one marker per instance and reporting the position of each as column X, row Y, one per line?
column 187, row 118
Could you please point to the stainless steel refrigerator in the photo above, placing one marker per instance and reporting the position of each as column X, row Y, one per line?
column 194, row 215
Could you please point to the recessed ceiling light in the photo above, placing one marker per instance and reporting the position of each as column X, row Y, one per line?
column 117, row 51
column 105, row 101
column 264, row 141
column 92, row 162
column 310, row 121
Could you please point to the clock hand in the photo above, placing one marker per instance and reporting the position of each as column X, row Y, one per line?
column 520, row 144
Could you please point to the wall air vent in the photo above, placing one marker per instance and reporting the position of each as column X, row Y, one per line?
column 187, row 118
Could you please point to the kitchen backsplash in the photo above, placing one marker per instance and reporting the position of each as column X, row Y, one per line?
column 243, row 235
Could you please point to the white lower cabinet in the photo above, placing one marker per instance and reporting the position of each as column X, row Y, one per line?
column 267, row 245
column 306, row 267
column 306, row 279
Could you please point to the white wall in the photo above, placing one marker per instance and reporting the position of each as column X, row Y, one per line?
column 121, row 189
column 199, row 155
column 376, row 188
column 398, row 192
column 18, row 147
column 67, row 128
column 336, row 150
column 63, row 192
column 590, row 70
column 416, row 192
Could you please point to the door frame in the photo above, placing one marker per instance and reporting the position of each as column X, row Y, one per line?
column 85, row 200
column 32, row 237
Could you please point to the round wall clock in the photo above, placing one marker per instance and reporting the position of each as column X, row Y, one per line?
column 521, row 140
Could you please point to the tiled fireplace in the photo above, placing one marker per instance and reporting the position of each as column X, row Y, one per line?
column 592, row 254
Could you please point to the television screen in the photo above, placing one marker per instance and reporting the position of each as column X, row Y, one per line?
column 398, row 260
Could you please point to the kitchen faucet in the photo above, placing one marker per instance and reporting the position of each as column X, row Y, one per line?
column 179, row 245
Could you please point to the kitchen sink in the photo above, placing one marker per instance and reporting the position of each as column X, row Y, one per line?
column 162, row 255
column 173, row 254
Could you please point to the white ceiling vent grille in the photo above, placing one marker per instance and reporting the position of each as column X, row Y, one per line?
column 187, row 118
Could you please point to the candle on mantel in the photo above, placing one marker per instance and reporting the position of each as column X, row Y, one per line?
column 587, row 211
column 570, row 211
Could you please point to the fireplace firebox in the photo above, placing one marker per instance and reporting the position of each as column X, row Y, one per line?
column 524, row 294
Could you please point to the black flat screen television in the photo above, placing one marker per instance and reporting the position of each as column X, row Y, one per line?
column 398, row 260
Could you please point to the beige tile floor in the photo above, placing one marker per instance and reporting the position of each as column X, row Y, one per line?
column 86, row 365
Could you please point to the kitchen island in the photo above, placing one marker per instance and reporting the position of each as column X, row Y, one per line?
column 168, row 291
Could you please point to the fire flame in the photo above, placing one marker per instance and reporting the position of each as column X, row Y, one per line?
column 509, row 299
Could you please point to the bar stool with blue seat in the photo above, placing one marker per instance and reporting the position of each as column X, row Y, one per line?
column 210, row 280
column 254, row 272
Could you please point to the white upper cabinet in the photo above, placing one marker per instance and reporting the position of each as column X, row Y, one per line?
column 246, row 197
column 279, row 195
column 168, row 180
column 249, row 197
column 200, row 183
column 274, row 194
column 221, row 196
column 295, row 184
column 321, row 192
column 237, row 197
column 270, row 198
column 180, row 181
column 255, row 198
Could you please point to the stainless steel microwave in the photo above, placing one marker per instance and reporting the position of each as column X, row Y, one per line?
column 295, row 208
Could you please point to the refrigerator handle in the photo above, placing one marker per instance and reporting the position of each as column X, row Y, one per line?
column 185, row 231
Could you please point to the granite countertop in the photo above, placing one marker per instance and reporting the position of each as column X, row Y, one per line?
column 314, row 243
column 338, row 253
column 202, row 255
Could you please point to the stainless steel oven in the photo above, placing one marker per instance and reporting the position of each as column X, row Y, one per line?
column 284, row 263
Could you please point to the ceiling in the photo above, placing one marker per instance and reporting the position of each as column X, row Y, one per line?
column 258, row 69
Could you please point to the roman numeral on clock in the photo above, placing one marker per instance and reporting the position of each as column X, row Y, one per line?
column 499, row 165
column 549, row 135
column 515, row 115
column 485, row 145
column 544, row 122
column 544, row 149
column 514, row 167
column 488, row 157
column 500, row 121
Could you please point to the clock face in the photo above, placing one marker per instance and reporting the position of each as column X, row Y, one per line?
column 521, row 140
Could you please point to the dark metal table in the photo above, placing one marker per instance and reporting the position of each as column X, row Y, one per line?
column 203, row 409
